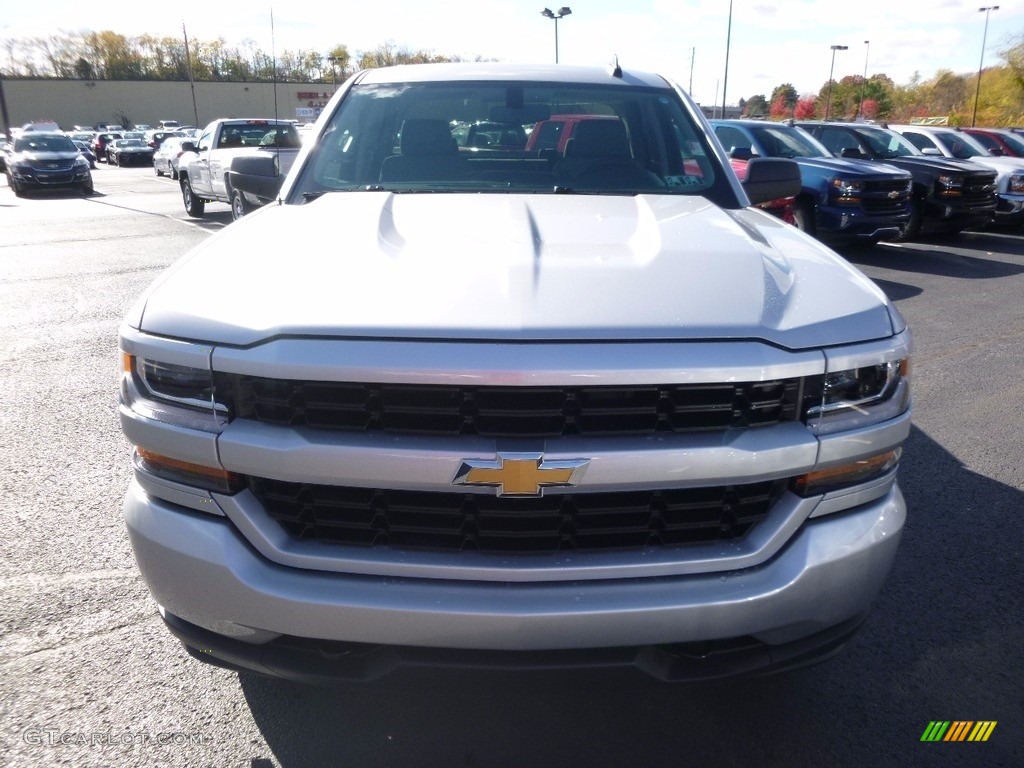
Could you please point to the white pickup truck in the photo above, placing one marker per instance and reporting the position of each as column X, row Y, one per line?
column 205, row 168
column 515, row 408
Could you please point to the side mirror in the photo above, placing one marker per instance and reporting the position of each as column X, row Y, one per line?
column 933, row 151
column 996, row 152
column 188, row 146
column 741, row 153
column 852, row 152
column 258, row 175
column 769, row 178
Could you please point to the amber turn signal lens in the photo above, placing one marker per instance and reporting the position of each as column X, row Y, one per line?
column 198, row 475
column 854, row 473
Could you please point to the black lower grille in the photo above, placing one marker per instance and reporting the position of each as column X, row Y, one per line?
column 455, row 522
column 51, row 179
column 510, row 411
column 885, row 207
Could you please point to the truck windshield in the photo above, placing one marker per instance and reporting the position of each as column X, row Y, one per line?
column 507, row 136
column 888, row 143
column 786, row 141
column 961, row 145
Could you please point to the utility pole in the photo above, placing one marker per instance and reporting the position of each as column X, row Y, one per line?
column 693, row 56
column 191, row 79
column 728, row 39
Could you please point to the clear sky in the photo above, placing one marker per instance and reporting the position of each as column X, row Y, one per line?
column 772, row 41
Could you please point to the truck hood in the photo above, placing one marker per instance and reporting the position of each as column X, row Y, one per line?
column 928, row 162
column 851, row 166
column 492, row 266
column 1003, row 166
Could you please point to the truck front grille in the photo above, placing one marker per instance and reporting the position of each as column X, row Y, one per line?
column 886, row 197
column 53, row 165
column 979, row 189
column 510, row 411
column 458, row 522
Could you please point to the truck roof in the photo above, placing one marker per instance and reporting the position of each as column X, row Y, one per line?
column 422, row 73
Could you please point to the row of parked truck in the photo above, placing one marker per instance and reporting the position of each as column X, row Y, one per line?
column 865, row 182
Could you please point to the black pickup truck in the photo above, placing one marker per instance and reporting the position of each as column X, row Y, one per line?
column 949, row 195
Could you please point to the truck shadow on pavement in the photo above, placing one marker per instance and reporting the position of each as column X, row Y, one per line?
column 940, row 260
column 944, row 641
column 211, row 221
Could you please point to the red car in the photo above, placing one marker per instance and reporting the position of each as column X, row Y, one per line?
column 555, row 132
column 99, row 144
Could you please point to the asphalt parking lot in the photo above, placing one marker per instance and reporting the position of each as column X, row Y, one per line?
column 90, row 677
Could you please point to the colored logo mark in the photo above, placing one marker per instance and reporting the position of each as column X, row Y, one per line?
column 958, row 730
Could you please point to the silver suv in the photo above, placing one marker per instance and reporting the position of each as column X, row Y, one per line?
column 551, row 407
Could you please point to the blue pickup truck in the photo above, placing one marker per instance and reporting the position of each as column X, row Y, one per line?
column 843, row 200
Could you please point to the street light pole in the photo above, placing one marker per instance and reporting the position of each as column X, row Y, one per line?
column 555, row 16
column 728, row 38
column 864, row 85
column 828, row 98
column 981, row 63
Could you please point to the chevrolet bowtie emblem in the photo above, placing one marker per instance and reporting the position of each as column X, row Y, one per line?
column 521, row 474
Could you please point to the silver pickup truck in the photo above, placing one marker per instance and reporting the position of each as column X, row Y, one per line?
column 535, row 408
column 241, row 162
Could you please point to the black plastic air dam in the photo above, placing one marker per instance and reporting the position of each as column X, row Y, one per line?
column 316, row 662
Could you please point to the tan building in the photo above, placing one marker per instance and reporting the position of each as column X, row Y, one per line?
column 88, row 102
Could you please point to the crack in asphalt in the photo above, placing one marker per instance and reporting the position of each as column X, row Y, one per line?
column 8, row 659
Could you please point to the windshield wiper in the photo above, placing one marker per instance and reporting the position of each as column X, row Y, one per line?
column 560, row 190
column 310, row 196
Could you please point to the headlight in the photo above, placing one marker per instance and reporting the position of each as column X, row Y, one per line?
column 182, row 399
column 174, row 394
column 858, row 397
column 950, row 185
column 847, row 191
column 81, row 162
column 1017, row 183
column 177, row 383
